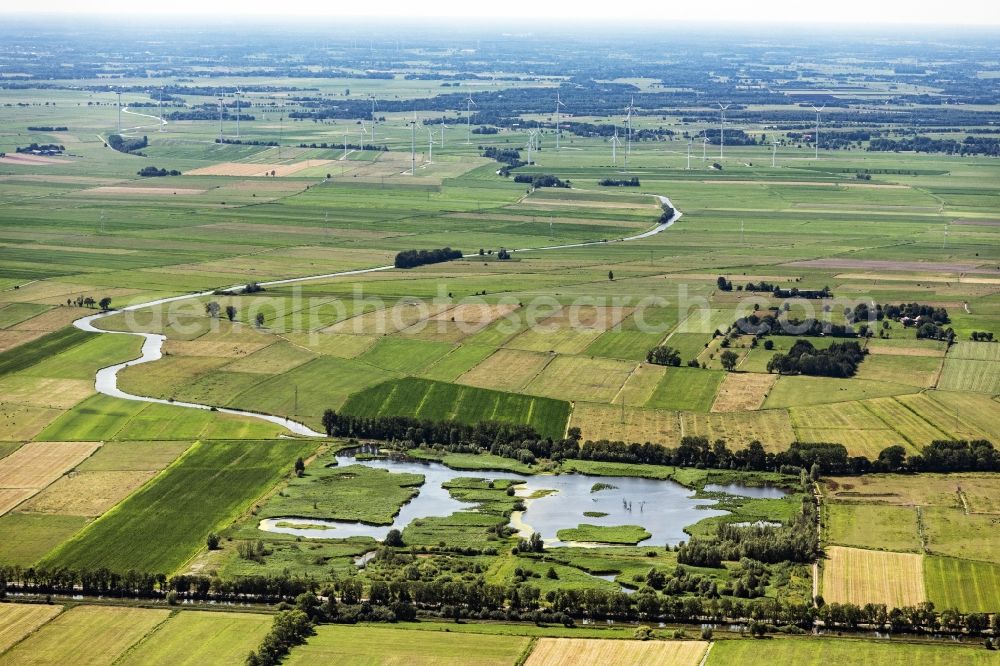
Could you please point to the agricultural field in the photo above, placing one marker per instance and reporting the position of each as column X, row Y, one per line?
column 555, row 651
column 381, row 645
column 204, row 490
column 818, row 651
column 88, row 634
column 853, row 575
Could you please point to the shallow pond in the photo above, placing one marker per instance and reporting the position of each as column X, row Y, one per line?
column 664, row 508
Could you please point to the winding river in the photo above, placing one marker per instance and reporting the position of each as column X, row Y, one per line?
column 106, row 381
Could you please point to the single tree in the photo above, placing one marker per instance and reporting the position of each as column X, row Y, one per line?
column 212, row 541
column 105, row 303
column 212, row 309
column 611, row 275
column 259, row 320
column 300, row 467
column 728, row 360
column 231, row 312
column 394, row 538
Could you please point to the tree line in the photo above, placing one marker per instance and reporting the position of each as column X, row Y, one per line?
column 540, row 180
column 414, row 258
column 153, row 172
column 619, row 182
column 303, row 603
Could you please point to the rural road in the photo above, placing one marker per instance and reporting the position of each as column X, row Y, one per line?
column 106, row 381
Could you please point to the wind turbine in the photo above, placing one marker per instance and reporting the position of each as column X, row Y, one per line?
column 704, row 148
column 774, row 153
column 119, row 111
column 530, row 144
column 430, row 146
column 817, row 127
column 346, row 134
column 221, row 102
column 238, row 93
column 628, row 129
column 468, row 116
column 722, row 128
column 159, row 108
column 374, row 104
column 363, row 132
column 559, row 103
column 413, row 145
column 443, row 128
column 689, row 155
column 615, row 142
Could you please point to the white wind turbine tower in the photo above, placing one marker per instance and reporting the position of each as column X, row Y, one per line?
column 362, row 135
column 238, row 93
column 159, row 109
column 628, row 129
column 468, row 117
column 817, row 128
column 119, row 112
column 722, row 128
column 430, row 146
column 774, row 153
column 221, row 102
column 346, row 135
column 704, row 149
column 615, row 142
column 413, row 145
column 443, row 128
column 559, row 103
column 689, row 155
column 374, row 104
column 531, row 144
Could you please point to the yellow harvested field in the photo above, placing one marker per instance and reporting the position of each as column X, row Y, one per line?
column 33, row 160
column 87, row 493
column 19, row 620
column 742, row 391
column 37, row 464
column 242, row 169
column 636, row 425
column 207, row 345
column 892, row 350
column 853, row 575
column 771, row 427
column 11, row 497
column 19, row 423
column 476, row 314
column 980, row 490
column 578, row 378
column 45, row 391
column 51, row 320
column 166, row 191
column 599, row 652
column 10, row 339
column 86, row 635
column 506, row 370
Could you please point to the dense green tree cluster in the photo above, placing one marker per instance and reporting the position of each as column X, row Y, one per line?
column 840, row 359
column 413, row 258
column 127, row 144
column 540, row 180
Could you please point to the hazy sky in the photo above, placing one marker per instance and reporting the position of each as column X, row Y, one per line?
column 972, row 12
